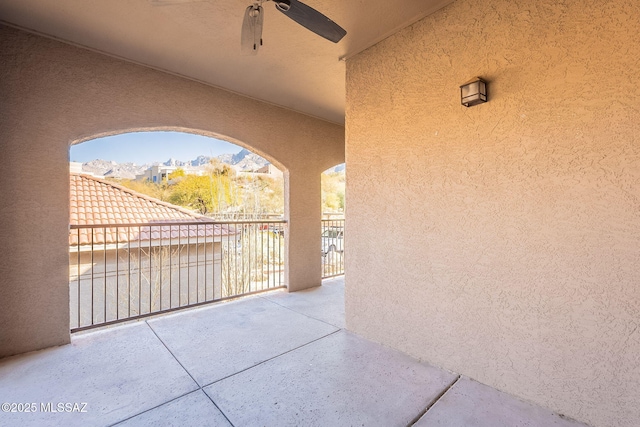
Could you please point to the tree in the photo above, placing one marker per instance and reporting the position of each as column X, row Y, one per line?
column 219, row 191
column 178, row 173
column 206, row 193
column 160, row 191
column 333, row 187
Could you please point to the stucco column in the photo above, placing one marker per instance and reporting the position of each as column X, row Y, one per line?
column 302, row 211
column 34, row 220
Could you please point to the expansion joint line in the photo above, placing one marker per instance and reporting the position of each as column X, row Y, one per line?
column 200, row 387
column 438, row 397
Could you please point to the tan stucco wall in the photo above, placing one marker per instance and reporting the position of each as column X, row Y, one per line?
column 502, row 241
column 53, row 95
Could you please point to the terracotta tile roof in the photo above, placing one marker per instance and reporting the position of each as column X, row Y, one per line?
column 95, row 201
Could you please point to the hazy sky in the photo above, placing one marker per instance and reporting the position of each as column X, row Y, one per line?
column 149, row 147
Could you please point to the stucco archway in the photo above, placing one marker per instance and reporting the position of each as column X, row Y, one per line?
column 66, row 95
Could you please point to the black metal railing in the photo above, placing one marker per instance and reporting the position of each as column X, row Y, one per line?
column 126, row 271
column 332, row 247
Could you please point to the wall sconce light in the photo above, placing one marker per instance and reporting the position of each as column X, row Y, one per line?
column 473, row 92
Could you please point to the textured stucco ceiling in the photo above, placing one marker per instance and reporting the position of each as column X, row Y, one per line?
column 201, row 40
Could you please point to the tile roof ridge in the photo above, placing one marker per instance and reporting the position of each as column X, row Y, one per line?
column 197, row 217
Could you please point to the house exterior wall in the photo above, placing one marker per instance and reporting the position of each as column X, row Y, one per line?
column 160, row 173
column 126, row 282
column 53, row 95
column 138, row 280
column 502, row 241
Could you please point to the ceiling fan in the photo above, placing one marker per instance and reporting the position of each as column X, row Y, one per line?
column 304, row 15
column 308, row 17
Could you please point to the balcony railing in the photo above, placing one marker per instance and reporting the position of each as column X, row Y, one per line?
column 127, row 271
column 332, row 247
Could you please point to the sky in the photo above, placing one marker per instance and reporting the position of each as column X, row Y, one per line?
column 148, row 147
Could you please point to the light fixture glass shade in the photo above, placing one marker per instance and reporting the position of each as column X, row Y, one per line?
column 473, row 92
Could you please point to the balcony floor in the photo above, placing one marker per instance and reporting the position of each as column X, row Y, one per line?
column 277, row 359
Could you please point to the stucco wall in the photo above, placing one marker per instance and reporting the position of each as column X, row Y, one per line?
column 502, row 241
column 53, row 95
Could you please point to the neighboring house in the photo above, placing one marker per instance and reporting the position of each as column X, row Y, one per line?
column 158, row 266
column 160, row 173
column 268, row 170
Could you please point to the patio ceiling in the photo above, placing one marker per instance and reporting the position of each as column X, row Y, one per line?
column 200, row 39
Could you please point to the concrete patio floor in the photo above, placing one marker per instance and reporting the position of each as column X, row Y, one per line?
column 277, row 359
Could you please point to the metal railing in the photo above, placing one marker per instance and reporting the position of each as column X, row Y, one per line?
column 332, row 247
column 127, row 271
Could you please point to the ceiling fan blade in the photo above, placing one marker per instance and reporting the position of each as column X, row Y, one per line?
column 251, row 38
column 311, row 19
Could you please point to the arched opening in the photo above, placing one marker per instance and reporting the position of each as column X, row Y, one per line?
column 243, row 184
column 83, row 95
column 161, row 221
column 333, row 182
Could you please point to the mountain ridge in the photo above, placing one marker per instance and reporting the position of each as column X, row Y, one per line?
column 244, row 160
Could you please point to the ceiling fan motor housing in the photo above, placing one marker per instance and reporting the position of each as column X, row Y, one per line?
column 255, row 11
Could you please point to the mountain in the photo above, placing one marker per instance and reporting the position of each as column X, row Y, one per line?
column 174, row 162
column 200, row 161
column 240, row 156
column 113, row 169
column 246, row 160
column 242, row 160
column 98, row 166
column 226, row 158
column 125, row 170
